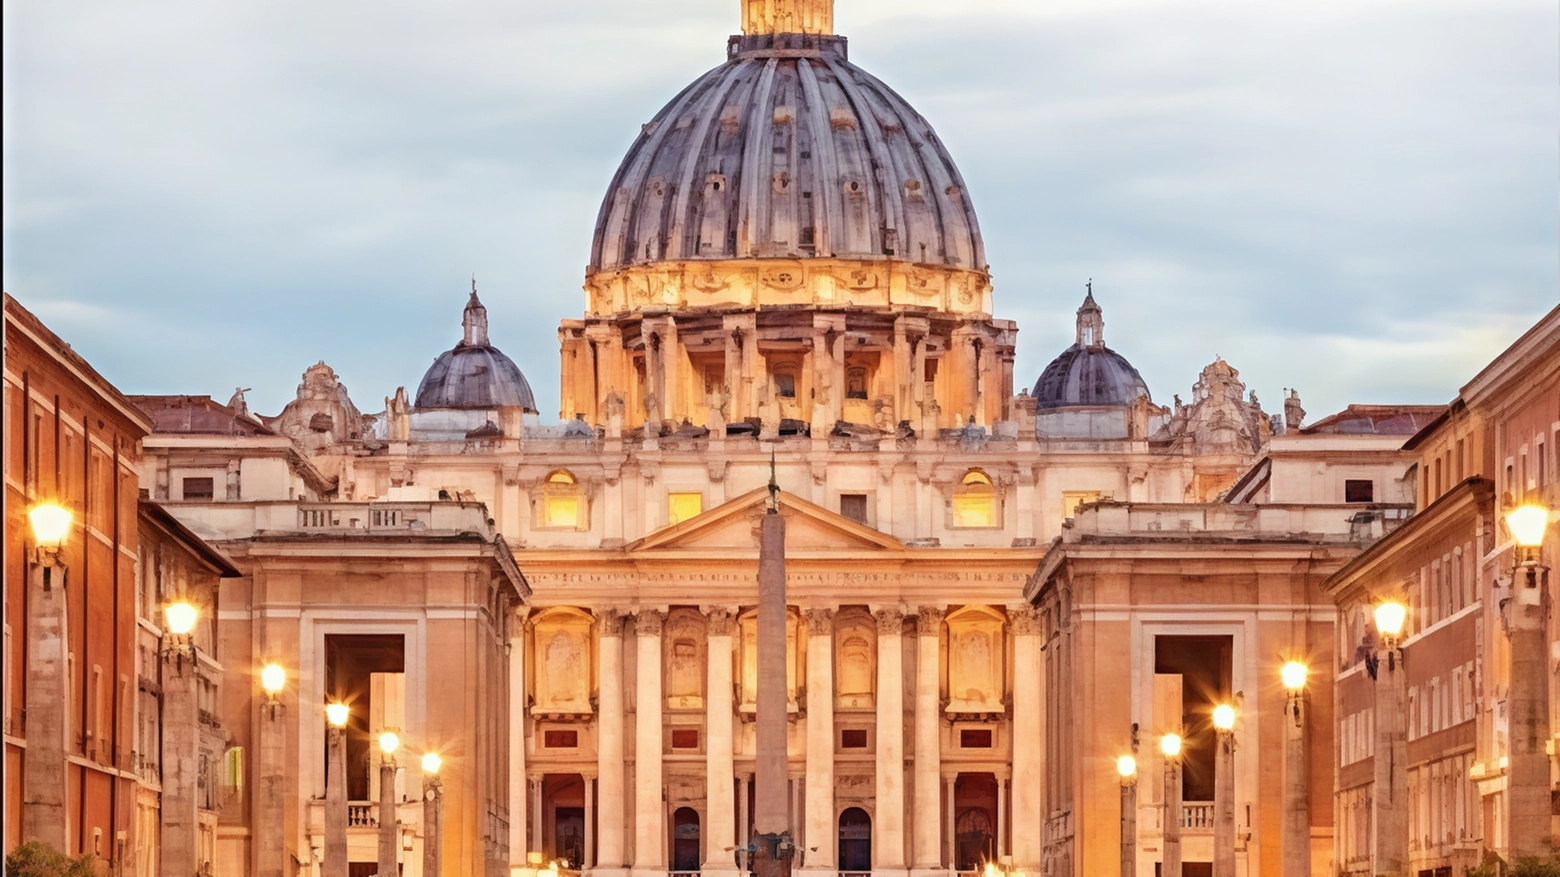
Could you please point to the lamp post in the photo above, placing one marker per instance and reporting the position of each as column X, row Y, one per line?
column 1170, row 747
column 1528, row 698
column 180, row 808
column 1126, row 768
column 433, row 813
column 1296, row 832
column 270, row 847
column 1389, row 797
column 1224, row 791
column 336, row 790
column 43, row 780
column 388, row 742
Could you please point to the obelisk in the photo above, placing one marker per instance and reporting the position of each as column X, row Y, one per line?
column 771, row 813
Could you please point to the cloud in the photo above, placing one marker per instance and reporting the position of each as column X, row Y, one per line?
column 1353, row 198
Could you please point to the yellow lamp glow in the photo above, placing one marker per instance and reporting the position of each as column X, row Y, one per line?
column 1294, row 674
column 1170, row 745
column 388, row 742
column 1224, row 717
column 336, row 714
column 1527, row 525
column 431, row 762
column 1126, row 765
column 1390, row 617
column 273, row 678
column 181, row 617
column 50, row 525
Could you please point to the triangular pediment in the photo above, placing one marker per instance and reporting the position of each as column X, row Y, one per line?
column 733, row 525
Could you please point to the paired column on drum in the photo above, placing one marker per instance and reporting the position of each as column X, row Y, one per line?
column 928, row 748
column 888, row 834
column 820, row 831
column 718, row 773
column 1028, row 629
column 649, row 806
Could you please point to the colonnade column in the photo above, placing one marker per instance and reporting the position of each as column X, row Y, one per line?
column 1027, row 628
column 517, row 720
column 951, row 781
column 649, row 809
column 609, row 741
column 888, row 834
column 588, row 855
column 928, row 748
column 820, row 844
column 721, row 830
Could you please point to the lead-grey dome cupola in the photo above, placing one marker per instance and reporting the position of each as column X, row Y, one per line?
column 475, row 374
column 1088, row 372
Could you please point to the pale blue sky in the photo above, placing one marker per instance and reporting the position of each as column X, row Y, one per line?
column 1357, row 198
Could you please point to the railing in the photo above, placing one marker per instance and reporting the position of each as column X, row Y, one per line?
column 361, row 814
column 855, row 874
column 682, row 874
column 1197, row 817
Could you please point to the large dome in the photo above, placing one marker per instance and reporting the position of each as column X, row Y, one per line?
column 1089, row 373
column 475, row 374
column 787, row 151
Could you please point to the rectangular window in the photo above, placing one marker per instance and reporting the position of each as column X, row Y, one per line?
column 1071, row 499
column 854, row 506
column 853, row 738
column 561, row 739
column 198, row 488
column 682, row 506
column 975, row 738
column 785, row 384
column 1361, row 489
column 685, row 738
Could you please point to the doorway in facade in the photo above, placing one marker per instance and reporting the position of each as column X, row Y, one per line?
column 563, row 809
column 855, row 840
column 974, row 824
column 686, row 848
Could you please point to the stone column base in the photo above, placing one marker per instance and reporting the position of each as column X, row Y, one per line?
column 935, row 871
column 612, row 872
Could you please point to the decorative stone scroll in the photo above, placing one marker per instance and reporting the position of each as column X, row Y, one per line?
column 929, row 622
column 1027, row 621
column 648, row 622
column 820, row 622
column 890, row 621
column 719, row 621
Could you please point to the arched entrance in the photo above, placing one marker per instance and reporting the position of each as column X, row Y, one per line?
column 686, row 849
column 976, row 839
column 855, row 840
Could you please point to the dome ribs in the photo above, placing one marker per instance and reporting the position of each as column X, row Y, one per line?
column 756, row 161
column 694, row 206
column 886, row 192
column 826, row 198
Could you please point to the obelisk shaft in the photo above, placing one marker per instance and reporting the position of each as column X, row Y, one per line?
column 771, row 814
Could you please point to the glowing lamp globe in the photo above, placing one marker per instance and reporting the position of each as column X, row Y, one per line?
column 50, row 524
column 1390, row 618
column 1126, row 765
column 431, row 762
column 388, row 742
column 1224, row 717
column 273, row 678
column 336, row 714
column 181, row 617
column 1170, row 745
column 1527, row 525
column 1294, row 674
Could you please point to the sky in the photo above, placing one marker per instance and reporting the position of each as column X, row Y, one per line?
column 1354, row 198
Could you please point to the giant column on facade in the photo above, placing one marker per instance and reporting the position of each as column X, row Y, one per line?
column 927, row 831
column 888, row 832
column 719, row 772
column 821, row 827
column 610, row 822
column 1028, row 739
column 649, row 786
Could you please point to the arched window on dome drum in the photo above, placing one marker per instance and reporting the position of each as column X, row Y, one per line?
column 974, row 501
column 856, row 383
column 563, row 503
column 785, row 383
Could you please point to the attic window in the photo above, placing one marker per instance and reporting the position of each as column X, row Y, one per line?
column 974, row 501
column 562, row 503
column 853, row 738
column 854, row 506
column 682, row 506
column 1359, row 490
column 199, row 488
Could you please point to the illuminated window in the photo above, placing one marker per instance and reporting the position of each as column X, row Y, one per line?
column 1071, row 499
column 561, row 502
column 682, row 506
column 974, row 501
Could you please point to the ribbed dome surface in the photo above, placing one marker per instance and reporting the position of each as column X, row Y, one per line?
column 787, row 150
column 474, row 377
column 1085, row 375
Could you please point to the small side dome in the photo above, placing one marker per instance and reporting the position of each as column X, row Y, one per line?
column 475, row 374
column 1089, row 373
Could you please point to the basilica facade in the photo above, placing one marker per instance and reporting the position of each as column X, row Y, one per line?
column 997, row 586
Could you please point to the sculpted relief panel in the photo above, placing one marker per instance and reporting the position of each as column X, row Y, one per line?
column 855, row 658
column 561, row 665
column 684, row 643
column 748, row 624
column 976, row 655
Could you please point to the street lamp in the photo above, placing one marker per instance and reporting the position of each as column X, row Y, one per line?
column 433, row 814
column 1296, row 831
column 181, row 616
column 270, row 833
column 335, row 864
column 1523, row 615
column 388, row 743
column 1224, row 791
column 1126, row 768
column 47, row 683
column 1170, row 747
column 1390, row 797
column 50, row 525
